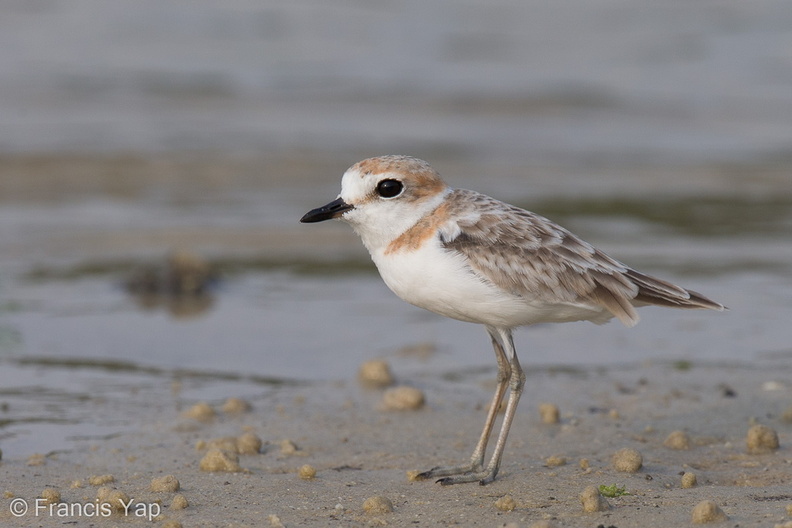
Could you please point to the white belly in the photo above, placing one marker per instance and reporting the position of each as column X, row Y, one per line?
column 440, row 281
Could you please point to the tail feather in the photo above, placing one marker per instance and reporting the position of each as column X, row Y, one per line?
column 659, row 292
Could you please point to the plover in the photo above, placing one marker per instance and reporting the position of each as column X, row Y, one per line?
column 470, row 257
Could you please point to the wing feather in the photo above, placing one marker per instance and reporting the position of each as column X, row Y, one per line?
column 530, row 256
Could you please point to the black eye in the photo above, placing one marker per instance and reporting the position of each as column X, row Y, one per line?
column 389, row 188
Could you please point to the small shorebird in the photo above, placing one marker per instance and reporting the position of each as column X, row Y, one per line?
column 470, row 257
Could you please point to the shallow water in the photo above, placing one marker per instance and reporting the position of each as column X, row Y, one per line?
column 661, row 134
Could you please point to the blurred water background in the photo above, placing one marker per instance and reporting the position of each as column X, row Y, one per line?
column 660, row 131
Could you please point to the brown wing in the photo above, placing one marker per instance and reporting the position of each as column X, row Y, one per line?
column 528, row 255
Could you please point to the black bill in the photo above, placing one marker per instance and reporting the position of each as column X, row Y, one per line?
column 332, row 210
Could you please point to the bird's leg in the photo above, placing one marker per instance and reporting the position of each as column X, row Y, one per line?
column 516, row 384
column 476, row 463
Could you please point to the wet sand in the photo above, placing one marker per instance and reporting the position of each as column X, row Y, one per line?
column 360, row 451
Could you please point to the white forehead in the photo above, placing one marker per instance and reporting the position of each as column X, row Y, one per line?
column 356, row 187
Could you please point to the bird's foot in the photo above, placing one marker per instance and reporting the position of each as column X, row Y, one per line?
column 472, row 472
column 482, row 477
column 441, row 471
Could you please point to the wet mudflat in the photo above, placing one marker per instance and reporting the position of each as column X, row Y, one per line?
column 97, row 371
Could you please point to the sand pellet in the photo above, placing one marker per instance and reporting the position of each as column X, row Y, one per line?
column 378, row 504
column 51, row 495
column 789, row 509
column 287, row 447
column 555, row 461
column 412, row 475
column 761, row 439
column 36, row 459
column 100, row 480
column 248, row 444
column 218, row 460
column 584, row 464
column 236, row 406
column 549, row 413
column 375, row 373
column 402, row 399
column 179, row 502
column 167, row 484
column 307, row 472
column 200, row 411
column 226, row 443
column 627, row 460
column 707, row 511
column 506, row 503
column 593, row 501
column 677, row 440
column 115, row 498
column 171, row 523
column 689, row 480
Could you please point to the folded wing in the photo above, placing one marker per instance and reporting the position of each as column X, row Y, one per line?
column 528, row 255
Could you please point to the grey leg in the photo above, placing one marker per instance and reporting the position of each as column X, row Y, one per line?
column 473, row 470
column 516, row 383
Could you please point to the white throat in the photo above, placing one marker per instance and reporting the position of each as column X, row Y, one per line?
column 380, row 223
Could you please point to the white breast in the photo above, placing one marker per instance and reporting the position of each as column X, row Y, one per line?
column 440, row 281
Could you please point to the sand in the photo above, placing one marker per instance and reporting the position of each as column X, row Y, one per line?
column 359, row 455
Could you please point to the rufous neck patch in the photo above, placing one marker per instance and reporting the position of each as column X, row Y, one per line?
column 421, row 232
